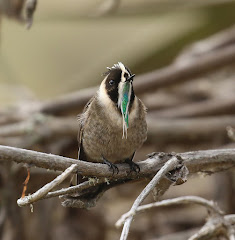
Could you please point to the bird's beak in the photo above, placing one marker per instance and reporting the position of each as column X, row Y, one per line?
column 130, row 78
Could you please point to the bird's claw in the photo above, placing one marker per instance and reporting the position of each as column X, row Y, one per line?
column 112, row 166
column 133, row 166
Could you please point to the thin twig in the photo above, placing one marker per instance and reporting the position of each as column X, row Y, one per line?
column 171, row 164
column 74, row 189
column 45, row 189
column 210, row 205
column 210, row 229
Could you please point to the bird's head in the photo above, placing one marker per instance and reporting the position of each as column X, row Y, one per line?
column 117, row 89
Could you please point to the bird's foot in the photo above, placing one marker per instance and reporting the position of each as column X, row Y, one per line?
column 112, row 166
column 133, row 166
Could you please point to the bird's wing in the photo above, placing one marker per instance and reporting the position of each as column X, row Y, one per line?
column 78, row 178
column 83, row 120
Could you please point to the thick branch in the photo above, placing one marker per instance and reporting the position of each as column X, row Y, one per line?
column 198, row 161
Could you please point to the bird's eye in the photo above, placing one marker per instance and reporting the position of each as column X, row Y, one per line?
column 111, row 82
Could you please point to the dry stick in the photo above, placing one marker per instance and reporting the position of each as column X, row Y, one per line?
column 74, row 189
column 230, row 219
column 163, row 130
column 205, row 108
column 178, row 73
column 215, row 222
column 218, row 40
column 45, row 189
column 197, row 161
column 164, row 77
column 212, row 227
column 188, row 233
column 68, row 102
column 195, row 129
column 47, row 126
column 210, row 205
column 169, row 165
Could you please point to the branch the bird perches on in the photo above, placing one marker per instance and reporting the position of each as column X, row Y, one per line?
column 206, row 162
column 158, row 164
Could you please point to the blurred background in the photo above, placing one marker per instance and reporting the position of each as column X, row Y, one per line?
column 67, row 49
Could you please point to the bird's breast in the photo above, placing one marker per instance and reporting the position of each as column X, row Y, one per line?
column 103, row 136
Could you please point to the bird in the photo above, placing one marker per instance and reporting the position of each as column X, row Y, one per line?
column 113, row 123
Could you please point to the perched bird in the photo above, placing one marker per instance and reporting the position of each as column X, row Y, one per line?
column 113, row 124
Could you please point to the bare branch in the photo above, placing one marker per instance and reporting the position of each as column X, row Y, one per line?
column 218, row 40
column 202, row 161
column 206, row 108
column 182, row 129
column 39, row 127
column 73, row 101
column 214, row 226
column 170, row 165
column 210, row 205
column 170, row 75
column 178, row 73
column 45, row 189
column 198, row 161
column 74, row 189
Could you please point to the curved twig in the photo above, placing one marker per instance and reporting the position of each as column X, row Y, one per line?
column 210, row 205
column 171, row 164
